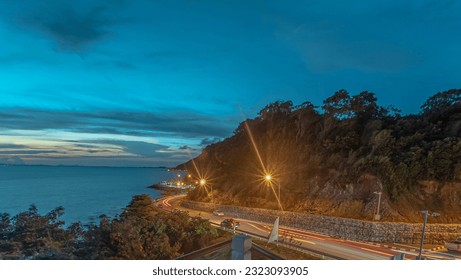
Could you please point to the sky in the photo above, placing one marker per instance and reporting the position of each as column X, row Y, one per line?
column 151, row 83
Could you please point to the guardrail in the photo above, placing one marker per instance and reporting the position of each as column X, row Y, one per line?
column 210, row 249
column 265, row 252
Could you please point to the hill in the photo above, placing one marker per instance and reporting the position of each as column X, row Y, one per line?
column 331, row 160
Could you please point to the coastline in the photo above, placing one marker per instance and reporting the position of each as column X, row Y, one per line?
column 103, row 190
column 166, row 191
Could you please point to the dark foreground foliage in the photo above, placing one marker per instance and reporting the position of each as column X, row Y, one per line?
column 141, row 232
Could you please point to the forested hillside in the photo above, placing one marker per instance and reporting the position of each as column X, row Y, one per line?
column 331, row 159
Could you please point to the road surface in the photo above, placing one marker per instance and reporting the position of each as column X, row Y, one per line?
column 322, row 245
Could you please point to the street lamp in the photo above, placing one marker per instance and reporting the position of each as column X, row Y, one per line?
column 378, row 216
column 426, row 213
column 203, row 184
column 268, row 178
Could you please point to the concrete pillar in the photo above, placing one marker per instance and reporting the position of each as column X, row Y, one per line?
column 241, row 247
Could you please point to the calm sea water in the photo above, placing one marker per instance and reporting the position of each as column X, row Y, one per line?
column 84, row 192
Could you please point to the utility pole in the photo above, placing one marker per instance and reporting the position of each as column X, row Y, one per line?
column 426, row 213
column 378, row 216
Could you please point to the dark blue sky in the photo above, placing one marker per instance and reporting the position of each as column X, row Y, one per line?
column 146, row 83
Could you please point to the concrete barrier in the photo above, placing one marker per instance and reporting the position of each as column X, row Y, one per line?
column 350, row 229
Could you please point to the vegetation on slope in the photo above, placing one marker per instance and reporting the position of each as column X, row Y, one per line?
column 141, row 232
column 331, row 160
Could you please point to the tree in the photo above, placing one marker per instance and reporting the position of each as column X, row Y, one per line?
column 274, row 109
column 352, row 138
column 364, row 106
column 338, row 105
column 442, row 103
column 143, row 232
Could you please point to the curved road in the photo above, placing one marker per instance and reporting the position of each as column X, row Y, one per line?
column 322, row 245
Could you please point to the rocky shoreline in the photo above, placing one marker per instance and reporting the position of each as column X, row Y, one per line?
column 166, row 190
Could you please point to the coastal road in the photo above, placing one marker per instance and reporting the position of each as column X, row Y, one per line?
column 321, row 245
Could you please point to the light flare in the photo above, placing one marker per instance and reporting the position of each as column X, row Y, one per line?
column 202, row 179
column 267, row 177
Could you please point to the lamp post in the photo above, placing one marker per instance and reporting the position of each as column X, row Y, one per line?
column 203, row 184
column 378, row 216
column 426, row 213
column 268, row 179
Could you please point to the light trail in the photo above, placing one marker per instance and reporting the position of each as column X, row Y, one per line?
column 258, row 228
column 166, row 203
column 302, row 240
column 377, row 252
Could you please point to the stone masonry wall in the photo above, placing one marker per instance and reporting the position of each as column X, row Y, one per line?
column 341, row 227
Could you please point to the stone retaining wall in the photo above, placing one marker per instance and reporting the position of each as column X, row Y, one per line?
column 341, row 227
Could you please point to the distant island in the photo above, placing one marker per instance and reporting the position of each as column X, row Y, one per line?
column 336, row 159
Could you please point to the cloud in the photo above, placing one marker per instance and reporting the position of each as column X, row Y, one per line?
column 73, row 26
column 57, row 148
column 209, row 141
column 385, row 36
column 107, row 161
column 27, row 152
column 12, row 160
column 94, row 152
column 74, row 137
column 165, row 124
column 139, row 148
column 333, row 47
column 10, row 146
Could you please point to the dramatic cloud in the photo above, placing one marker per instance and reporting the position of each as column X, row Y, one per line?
column 73, row 26
column 78, row 137
column 154, row 82
column 185, row 124
column 95, row 152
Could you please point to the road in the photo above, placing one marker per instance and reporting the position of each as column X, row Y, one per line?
column 321, row 245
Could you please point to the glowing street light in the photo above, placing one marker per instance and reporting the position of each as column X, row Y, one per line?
column 203, row 183
column 268, row 178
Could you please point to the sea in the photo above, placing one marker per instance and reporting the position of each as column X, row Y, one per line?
column 86, row 193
